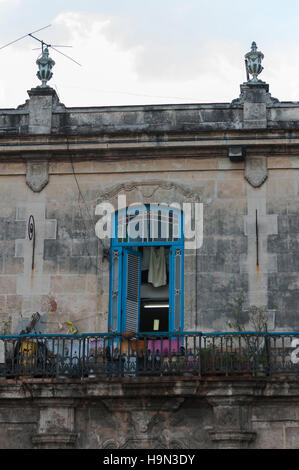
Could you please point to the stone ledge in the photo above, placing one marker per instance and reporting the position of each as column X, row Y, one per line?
column 230, row 439
column 41, row 91
column 54, row 440
column 211, row 388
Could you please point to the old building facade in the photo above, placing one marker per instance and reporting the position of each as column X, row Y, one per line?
column 239, row 163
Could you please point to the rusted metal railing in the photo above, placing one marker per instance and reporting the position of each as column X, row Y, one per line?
column 158, row 354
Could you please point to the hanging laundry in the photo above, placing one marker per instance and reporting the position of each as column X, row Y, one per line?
column 145, row 258
column 157, row 267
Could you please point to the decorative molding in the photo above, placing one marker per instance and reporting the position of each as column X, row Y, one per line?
column 256, row 170
column 37, row 175
column 146, row 422
column 147, row 189
column 149, row 442
column 232, row 439
column 54, row 440
column 137, row 404
column 178, row 444
column 143, row 423
column 152, row 443
column 110, row 444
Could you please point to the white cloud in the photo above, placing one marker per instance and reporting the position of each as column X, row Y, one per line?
column 118, row 68
column 105, row 64
column 6, row 5
column 121, row 65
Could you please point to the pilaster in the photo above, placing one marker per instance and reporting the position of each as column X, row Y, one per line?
column 56, row 427
column 232, row 428
column 41, row 103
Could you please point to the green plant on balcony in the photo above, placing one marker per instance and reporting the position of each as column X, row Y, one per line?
column 6, row 326
column 256, row 345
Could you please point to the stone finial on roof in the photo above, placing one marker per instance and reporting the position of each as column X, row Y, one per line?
column 45, row 64
column 254, row 63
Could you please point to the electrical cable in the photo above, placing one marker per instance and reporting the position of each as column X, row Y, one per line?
column 133, row 94
column 91, row 220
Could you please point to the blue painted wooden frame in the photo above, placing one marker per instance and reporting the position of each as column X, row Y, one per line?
column 110, row 319
column 122, row 246
column 172, row 289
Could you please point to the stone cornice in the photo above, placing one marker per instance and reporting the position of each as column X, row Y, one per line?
column 189, row 144
column 216, row 389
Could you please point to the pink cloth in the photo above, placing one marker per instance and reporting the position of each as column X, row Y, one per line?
column 155, row 344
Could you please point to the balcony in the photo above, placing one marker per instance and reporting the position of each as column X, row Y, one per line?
column 148, row 354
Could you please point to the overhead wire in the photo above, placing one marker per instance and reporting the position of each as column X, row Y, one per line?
column 132, row 93
column 91, row 219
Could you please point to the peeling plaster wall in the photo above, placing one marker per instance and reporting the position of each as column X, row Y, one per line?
column 67, row 160
column 158, row 413
column 77, row 158
column 70, row 279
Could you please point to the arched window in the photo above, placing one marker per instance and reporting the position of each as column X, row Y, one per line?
column 146, row 278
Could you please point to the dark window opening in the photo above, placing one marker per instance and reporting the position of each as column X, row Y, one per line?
column 154, row 302
column 154, row 316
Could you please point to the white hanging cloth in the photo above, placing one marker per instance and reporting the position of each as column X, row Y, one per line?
column 157, row 267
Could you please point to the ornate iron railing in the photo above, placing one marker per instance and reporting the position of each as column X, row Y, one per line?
column 113, row 355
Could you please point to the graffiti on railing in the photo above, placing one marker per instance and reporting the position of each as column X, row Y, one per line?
column 295, row 353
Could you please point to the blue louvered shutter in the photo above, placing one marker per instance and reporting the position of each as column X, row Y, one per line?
column 176, row 288
column 115, row 290
column 132, row 281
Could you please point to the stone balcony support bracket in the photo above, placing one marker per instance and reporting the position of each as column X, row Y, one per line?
column 232, row 429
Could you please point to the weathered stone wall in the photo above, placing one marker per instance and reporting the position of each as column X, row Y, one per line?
column 159, row 413
column 70, row 279
column 66, row 161
column 283, row 284
column 57, row 164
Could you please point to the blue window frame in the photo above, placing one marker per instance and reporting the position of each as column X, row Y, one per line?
column 157, row 227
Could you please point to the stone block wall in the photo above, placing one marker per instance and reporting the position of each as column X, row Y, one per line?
column 154, row 413
column 70, row 279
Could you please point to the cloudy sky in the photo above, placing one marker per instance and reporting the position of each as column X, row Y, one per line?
column 149, row 51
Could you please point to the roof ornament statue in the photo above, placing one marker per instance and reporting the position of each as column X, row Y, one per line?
column 45, row 64
column 253, row 61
